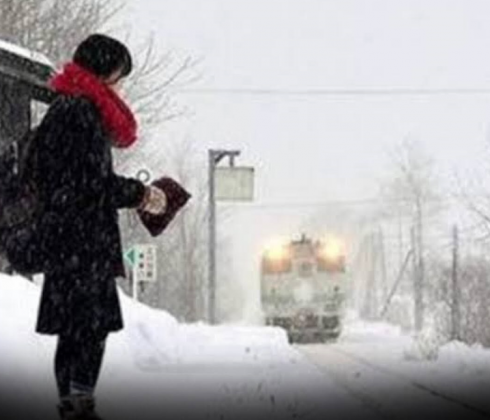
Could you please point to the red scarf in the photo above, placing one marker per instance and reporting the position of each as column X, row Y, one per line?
column 116, row 115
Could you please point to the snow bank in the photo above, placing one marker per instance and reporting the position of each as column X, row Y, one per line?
column 150, row 340
column 18, row 309
column 474, row 359
column 453, row 368
column 157, row 362
column 157, row 340
column 357, row 330
column 26, row 358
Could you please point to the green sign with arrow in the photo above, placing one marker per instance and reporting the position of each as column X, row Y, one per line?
column 130, row 256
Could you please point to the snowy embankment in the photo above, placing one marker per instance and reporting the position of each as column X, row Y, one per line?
column 152, row 339
column 157, row 365
column 388, row 342
column 454, row 368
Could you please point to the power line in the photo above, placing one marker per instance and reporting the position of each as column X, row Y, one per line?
column 297, row 204
column 322, row 92
column 347, row 203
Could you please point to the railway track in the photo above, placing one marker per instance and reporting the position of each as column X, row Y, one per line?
column 386, row 393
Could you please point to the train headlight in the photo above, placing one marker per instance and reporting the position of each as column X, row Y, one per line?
column 331, row 255
column 333, row 249
column 277, row 250
column 277, row 258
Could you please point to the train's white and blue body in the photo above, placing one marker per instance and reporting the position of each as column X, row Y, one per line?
column 303, row 288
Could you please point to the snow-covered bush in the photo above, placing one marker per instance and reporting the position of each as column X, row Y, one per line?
column 474, row 301
column 426, row 343
column 400, row 312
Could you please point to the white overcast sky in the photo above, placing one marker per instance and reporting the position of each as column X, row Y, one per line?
column 338, row 143
column 320, row 148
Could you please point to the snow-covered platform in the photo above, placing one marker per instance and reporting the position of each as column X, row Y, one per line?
column 158, row 368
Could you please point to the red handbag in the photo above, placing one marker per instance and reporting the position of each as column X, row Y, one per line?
column 177, row 197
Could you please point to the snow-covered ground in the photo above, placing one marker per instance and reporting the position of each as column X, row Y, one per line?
column 158, row 368
column 452, row 365
column 397, row 370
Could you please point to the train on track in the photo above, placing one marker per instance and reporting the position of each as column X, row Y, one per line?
column 303, row 288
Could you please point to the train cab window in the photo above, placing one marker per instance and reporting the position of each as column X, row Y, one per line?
column 276, row 266
column 331, row 265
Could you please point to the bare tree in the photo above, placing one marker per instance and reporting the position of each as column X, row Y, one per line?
column 410, row 193
column 56, row 27
column 474, row 196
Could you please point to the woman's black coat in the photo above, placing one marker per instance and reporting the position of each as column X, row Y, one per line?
column 80, row 195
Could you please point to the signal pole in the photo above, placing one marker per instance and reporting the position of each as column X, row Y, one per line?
column 214, row 158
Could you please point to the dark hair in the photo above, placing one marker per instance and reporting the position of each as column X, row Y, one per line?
column 103, row 55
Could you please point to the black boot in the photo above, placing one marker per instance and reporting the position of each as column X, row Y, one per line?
column 66, row 410
column 78, row 407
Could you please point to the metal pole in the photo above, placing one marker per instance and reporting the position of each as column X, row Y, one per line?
column 421, row 267
column 455, row 308
column 135, row 283
column 214, row 157
column 382, row 255
column 369, row 293
column 371, row 279
column 417, row 284
column 212, row 241
column 400, row 237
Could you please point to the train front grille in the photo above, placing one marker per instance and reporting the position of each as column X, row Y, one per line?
column 330, row 322
column 283, row 322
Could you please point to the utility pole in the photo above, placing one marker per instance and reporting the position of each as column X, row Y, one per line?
column 417, row 283
column 382, row 256
column 370, row 297
column 421, row 267
column 400, row 236
column 455, row 306
column 214, row 158
column 358, row 269
column 366, row 276
column 374, row 277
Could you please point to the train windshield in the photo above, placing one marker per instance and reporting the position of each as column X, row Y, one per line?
column 330, row 265
column 276, row 265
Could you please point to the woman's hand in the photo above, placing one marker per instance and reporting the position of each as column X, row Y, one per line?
column 154, row 201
